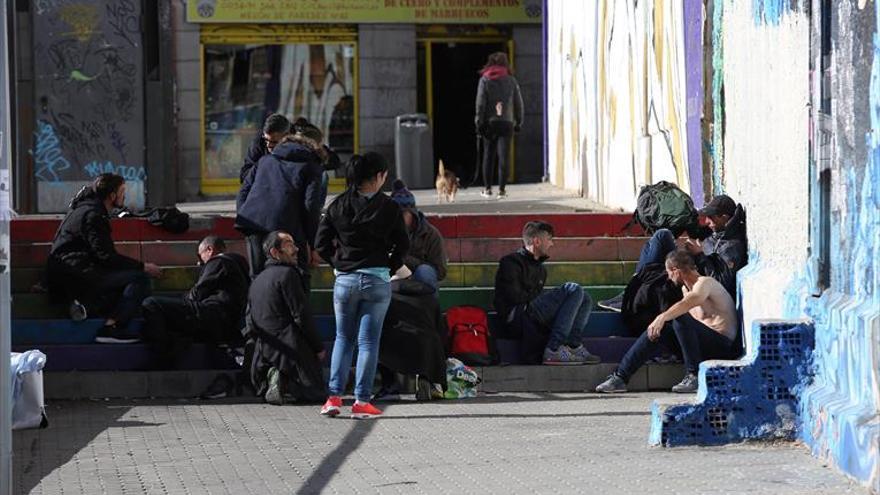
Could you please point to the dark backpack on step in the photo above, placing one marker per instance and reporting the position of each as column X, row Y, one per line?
column 170, row 218
column 664, row 206
column 648, row 293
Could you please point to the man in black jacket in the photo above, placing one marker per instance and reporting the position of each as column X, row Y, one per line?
column 524, row 306
column 287, row 349
column 211, row 311
column 84, row 267
column 283, row 192
column 274, row 129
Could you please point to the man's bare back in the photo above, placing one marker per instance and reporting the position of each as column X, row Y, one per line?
column 717, row 309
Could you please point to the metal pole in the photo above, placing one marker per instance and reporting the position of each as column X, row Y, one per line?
column 5, row 299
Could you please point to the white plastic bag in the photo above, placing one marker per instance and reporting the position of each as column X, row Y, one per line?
column 28, row 409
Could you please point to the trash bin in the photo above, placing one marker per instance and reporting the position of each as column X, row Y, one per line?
column 414, row 151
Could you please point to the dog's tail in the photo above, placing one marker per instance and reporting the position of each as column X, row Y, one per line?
column 442, row 170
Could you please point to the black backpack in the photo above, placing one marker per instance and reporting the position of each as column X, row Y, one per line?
column 664, row 206
column 169, row 218
column 648, row 293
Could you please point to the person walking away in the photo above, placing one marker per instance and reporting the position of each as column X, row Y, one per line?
column 363, row 237
column 84, row 269
column 499, row 113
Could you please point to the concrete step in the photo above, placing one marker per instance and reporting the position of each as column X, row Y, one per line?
column 181, row 278
column 38, row 306
column 65, row 331
column 65, row 385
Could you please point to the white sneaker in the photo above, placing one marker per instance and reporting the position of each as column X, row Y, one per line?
column 486, row 193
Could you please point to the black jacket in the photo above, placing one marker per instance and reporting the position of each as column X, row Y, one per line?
column 426, row 247
column 222, row 288
column 357, row 232
column 519, row 280
column 725, row 252
column 491, row 91
column 648, row 293
column 83, row 251
column 281, row 326
column 283, row 192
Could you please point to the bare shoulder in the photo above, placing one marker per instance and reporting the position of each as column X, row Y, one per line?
column 707, row 285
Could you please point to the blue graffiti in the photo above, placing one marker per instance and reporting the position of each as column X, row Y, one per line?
column 769, row 11
column 47, row 153
column 128, row 172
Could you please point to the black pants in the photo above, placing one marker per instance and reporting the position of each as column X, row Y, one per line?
column 172, row 324
column 496, row 146
column 118, row 295
column 696, row 341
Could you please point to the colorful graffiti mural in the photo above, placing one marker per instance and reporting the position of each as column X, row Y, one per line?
column 618, row 97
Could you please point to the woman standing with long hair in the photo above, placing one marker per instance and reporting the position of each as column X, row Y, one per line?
column 363, row 237
column 499, row 113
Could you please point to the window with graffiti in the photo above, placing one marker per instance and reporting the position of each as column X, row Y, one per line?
column 244, row 84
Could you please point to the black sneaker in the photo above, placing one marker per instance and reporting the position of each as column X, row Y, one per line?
column 613, row 304
column 114, row 334
column 218, row 389
column 687, row 385
column 423, row 389
column 386, row 394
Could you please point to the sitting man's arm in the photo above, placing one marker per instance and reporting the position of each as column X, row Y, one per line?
column 296, row 300
column 96, row 230
column 691, row 300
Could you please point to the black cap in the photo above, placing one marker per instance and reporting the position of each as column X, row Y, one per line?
column 720, row 205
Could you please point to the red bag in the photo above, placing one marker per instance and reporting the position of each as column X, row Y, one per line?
column 469, row 336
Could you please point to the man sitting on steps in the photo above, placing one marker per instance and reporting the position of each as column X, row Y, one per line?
column 84, row 267
column 211, row 311
column 528, row 312
column 703, row 325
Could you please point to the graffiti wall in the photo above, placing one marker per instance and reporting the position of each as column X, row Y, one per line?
column 623, row 108
column 89, row 109
column 781, row 143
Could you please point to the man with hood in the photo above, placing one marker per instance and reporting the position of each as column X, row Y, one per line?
column 426, row 258
column 283, row 192
column 211, row 311
column 287, row 352
column 499, row 113
column 84, row 268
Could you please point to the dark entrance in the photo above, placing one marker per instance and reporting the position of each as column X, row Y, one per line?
column 454, row 74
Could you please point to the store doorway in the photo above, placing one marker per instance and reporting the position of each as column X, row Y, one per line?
column 451, row 90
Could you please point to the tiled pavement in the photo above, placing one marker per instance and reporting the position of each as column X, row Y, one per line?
column 503, row 443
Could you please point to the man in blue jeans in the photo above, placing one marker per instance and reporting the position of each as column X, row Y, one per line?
column 703, row 325
column 528, row 311
column 426, row 258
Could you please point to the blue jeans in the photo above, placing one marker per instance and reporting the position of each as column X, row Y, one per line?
column 427, row 275
column 565, row 310
column 655, row 250
column 696, row 341
column 360, row 302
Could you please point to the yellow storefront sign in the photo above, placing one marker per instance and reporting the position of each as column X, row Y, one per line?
column 365, row 11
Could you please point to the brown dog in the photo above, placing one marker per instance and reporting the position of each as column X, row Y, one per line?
column 446, row 184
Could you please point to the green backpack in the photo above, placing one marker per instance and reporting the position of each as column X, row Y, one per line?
column 664, row 206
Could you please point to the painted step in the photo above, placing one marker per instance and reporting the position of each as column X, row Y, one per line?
column 37, row 306
column 41, row 228
column 138, row 357
column 65, row 331
column 163, row 253
column 181, row 278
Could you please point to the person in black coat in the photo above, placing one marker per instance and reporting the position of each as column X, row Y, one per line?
column 287, row 349
column 275, row 128
column 84, row 267
column 283, row 192
column 211, row 311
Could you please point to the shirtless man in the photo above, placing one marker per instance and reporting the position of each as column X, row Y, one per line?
column 703, row 325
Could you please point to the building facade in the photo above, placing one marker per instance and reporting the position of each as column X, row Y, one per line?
column 170, row 93
column 790, row 128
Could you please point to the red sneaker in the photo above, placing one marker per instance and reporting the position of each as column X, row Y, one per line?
column 364, row 411
column 332, row 407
